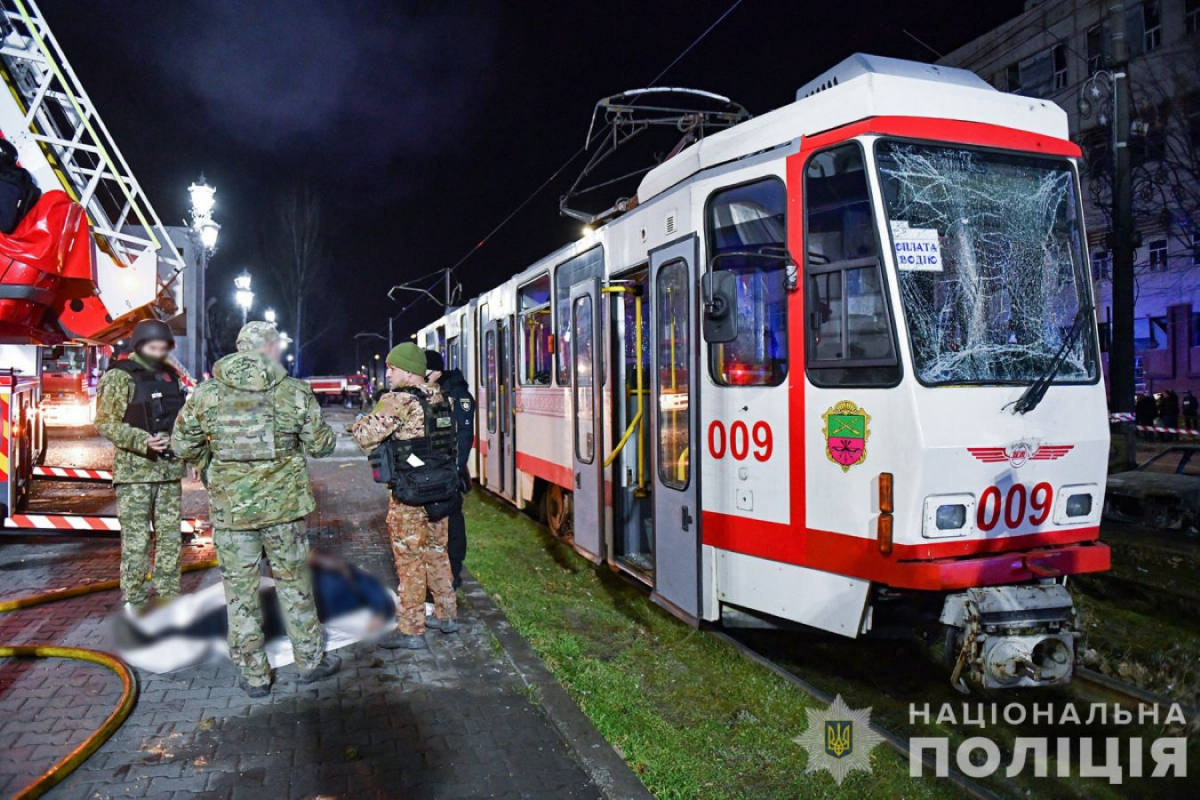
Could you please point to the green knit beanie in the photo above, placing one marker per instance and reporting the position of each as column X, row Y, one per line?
column 408, row 357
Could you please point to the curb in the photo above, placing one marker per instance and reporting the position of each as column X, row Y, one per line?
column 604, row 766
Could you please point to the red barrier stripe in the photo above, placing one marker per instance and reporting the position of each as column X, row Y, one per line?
column 78, row 522
column 73, row 473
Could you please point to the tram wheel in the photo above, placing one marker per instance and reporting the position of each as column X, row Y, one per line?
column 557, row 505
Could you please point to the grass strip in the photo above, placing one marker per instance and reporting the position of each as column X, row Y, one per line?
column 690, row 715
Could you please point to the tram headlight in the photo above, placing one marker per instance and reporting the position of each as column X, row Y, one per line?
column 1079, row 505
column 950, row 517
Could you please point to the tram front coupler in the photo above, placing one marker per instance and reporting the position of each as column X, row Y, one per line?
column 1004, row 637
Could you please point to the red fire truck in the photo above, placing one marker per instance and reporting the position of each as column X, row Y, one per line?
column 84, row 264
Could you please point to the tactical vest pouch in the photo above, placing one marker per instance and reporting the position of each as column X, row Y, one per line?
column 430, row 483
column 244, row 427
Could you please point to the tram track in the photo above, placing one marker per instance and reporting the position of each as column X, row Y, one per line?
column 1086, row 685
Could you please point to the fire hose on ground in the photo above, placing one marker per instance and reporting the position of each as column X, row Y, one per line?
column 92, row 743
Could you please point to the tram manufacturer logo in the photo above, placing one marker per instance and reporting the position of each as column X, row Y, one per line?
column 839, row 739
column 846, row 432
column 1018, row 453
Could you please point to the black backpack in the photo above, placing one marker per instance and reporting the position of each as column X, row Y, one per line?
column 18, row 194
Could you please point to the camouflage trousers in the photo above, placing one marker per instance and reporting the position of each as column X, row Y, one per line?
column 149, row 515
column 419, row 549
column 240, row 553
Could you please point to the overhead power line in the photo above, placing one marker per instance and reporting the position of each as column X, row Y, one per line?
column 541, row 187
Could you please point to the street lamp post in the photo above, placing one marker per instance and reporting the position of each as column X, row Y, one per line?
column 368, row 335
column 242, row 294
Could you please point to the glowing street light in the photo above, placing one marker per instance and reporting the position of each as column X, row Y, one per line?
column 269, row 316
column 243, row 296
column 204, row 200
column 203, row 197
column 284, row 340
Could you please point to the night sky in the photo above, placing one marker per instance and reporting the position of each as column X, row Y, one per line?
column 423, row 124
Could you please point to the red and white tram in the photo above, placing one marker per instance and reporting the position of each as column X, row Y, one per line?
column 837, row 366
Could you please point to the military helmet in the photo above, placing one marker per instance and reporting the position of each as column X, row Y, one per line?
column 149, row 330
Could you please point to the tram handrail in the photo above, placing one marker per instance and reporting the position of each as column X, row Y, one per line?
column 636, row 422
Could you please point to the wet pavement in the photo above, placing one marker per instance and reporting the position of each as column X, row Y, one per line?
column 456, row 720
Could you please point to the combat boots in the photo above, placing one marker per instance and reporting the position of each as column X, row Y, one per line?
column 252, row 690
column 329, row 665
column 401, row 641
column 443, row 625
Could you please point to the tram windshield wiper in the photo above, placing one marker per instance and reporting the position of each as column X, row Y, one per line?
column 1032, row 396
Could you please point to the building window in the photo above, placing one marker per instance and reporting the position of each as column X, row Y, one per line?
column 1040, row 75
column 1013, row 77
column 1097, row 47
column 1158, row 255
column 570, row 273
column 743, row 222
column 1059, row 57
column 1102, row 265
column 1152, row 25
column 537, row 334
column 1196, row 329
column 1191, row 16
column 1196, row 249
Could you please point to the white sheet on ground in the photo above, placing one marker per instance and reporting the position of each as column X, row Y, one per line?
column 174, row 653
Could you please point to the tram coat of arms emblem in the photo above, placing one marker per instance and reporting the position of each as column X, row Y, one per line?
column 847, row 428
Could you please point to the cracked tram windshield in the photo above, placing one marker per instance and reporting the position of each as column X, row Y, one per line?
column 988, row 257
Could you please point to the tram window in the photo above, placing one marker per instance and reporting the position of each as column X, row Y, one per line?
column 568, row 274
column 673, row 337
column 490, row 367
column 750, row 219
column 452, row 353
column 585, row 438
column 849, row 327
column 537, row 334
column 441, row 341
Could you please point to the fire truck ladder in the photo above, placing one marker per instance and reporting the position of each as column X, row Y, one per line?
column 61, row 118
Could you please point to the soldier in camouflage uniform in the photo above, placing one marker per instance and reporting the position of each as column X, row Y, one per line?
column 146, row 479
column 418, row 545
column 254, row 426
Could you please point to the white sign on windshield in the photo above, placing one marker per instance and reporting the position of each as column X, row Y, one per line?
column 917, row 249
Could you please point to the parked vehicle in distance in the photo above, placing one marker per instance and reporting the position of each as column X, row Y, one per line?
column 351, row 391
column 1163, row 492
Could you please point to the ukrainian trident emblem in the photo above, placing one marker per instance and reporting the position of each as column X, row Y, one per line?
column 846, row 432
column 839, row 737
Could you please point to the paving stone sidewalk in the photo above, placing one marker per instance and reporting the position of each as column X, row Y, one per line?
column 452, row 721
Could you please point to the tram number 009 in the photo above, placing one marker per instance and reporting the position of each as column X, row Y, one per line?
column 740, row 440
column 1014, row 506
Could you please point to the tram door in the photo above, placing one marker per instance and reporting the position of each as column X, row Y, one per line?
column 507, row 452
column 588, row 453
column 492, row 462
column 674, row 412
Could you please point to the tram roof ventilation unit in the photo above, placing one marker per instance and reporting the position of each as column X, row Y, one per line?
column 864, row 64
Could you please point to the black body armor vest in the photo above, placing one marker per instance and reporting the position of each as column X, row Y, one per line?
column 423, row 470
column 157, row 396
